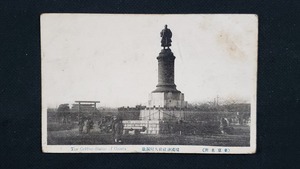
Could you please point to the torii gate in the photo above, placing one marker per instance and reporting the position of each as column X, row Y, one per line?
column 87, row 102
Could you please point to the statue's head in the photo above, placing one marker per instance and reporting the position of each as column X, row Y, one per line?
column 166, row 26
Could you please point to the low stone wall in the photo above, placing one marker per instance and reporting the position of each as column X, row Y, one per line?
column 152, row 127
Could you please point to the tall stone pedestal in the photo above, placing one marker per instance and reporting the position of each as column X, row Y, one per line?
column 166, row 95
column 166, row 72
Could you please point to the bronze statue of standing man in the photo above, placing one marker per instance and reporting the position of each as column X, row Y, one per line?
column 166, row 36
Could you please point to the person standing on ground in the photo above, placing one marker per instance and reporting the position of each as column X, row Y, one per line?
column 90, row 125
column 100, row 123
column 81, row 124
column 117, row 129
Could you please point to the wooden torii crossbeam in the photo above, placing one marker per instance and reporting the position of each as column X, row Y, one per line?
column 87, row 102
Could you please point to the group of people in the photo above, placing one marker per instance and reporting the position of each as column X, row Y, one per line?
column 115, row 126
column 85, row 125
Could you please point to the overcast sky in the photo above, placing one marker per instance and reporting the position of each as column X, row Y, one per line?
column 112, row 58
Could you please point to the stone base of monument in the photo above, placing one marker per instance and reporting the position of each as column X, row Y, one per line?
column 151, row 127
column 154, row 121
column 162, row 114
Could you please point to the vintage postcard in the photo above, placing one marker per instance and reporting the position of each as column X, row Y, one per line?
column 141, row 83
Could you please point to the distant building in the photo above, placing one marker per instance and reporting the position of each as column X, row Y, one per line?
column 238, row 107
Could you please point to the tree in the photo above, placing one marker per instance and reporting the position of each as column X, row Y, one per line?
column 63, row 112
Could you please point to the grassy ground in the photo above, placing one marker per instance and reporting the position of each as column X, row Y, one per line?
column 240, row 137
column 61, row 126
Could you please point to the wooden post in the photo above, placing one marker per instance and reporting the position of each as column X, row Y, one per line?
column 94, row 110
column 159, row 113
column 79, row 110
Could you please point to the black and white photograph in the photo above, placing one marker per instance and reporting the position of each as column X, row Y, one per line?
column 149, row 83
